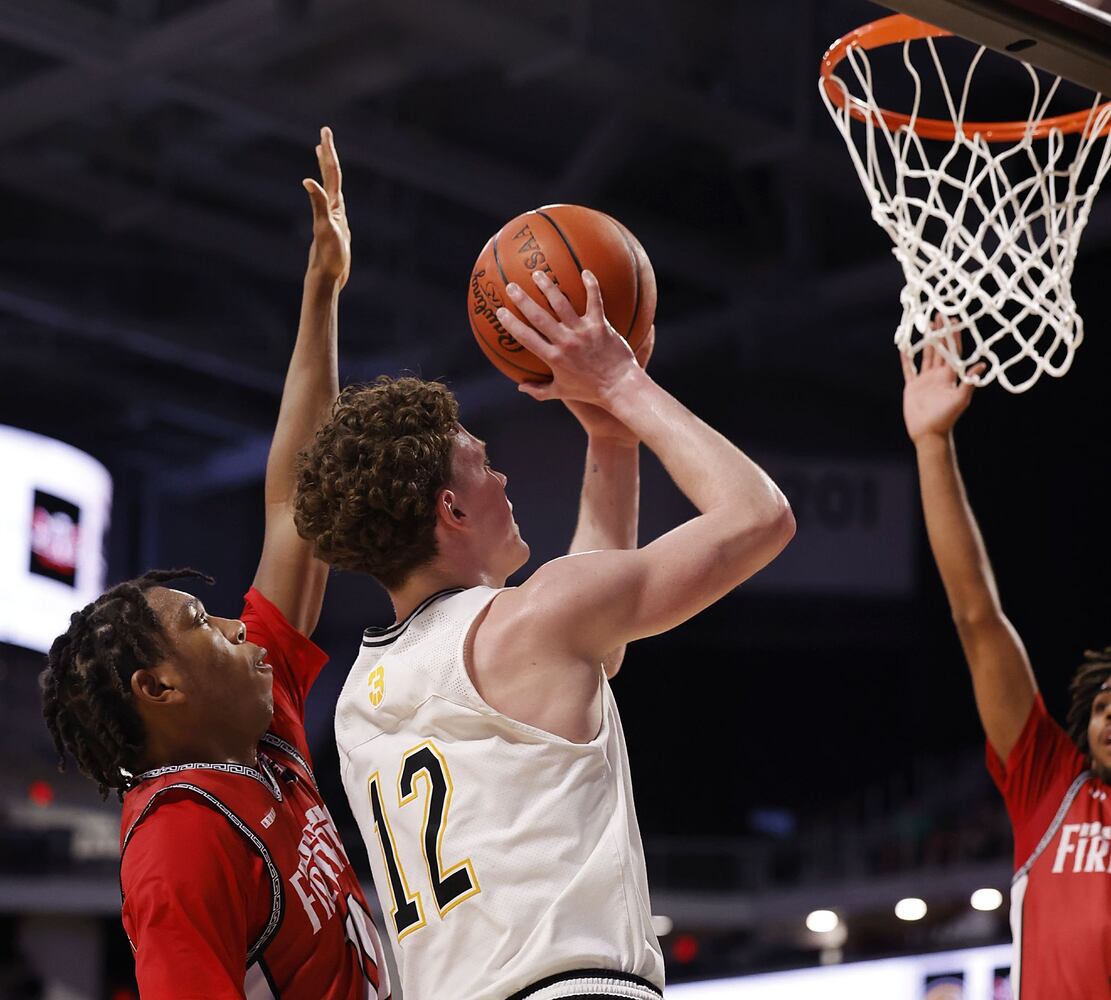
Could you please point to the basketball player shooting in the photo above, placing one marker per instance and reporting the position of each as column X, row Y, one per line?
column 480, row 744
column 1055, row 783
column 234, row 879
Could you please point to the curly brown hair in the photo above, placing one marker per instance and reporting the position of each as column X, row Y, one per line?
column 1090, row 676
column 367, row 485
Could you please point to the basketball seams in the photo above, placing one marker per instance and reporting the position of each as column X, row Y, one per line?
column 483, row 330
column 559, row 232
column 635, row 294
column 636, row 279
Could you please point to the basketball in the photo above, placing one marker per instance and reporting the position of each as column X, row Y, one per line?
column 563, row 241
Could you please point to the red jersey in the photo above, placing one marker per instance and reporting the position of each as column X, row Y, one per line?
column 234, row 880
column 1061, row 892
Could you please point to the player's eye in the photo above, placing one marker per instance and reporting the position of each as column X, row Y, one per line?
column 202, row 618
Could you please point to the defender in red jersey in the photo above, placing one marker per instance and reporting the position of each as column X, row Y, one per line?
column 1055, row 785
column 234, row 880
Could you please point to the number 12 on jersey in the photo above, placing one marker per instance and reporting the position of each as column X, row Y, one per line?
column 450, row 886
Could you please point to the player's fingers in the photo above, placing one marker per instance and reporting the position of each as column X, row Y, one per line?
column 644, row 352
column 524, row 334
column 533, row 311
column 907, row 363
column 329, row 163
column 537, row 390
column 595, row 310
column 559, row 302
column 317, row 198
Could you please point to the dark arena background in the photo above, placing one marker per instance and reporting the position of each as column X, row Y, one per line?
column 810, row 743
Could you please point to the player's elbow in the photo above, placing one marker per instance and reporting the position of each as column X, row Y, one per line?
column 976, row 618
column 776, row 525
column 757, row 540
column 784, row 522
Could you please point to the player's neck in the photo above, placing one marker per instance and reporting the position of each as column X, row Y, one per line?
column 168, row 751
column 439, row 575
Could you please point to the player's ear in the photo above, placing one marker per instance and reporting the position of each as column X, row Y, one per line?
column 154, row 686
column 448, row 512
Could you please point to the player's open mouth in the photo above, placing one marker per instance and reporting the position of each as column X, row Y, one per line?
column 260, row 663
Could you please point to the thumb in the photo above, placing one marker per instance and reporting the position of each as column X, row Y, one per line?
column 537, row 390
column 317, row 198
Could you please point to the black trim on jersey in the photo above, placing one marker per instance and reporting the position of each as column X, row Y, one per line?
column 277, row 899
column 375, row 637
column 290, row 750
column 269, row 979
column 562, row 977
column 261, row 775
column 1051, row 831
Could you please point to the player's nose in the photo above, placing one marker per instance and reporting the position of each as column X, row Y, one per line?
column 234, row 630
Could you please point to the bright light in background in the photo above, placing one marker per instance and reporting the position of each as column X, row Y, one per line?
column 910, row 909
column 987, row 899
column 662, row 925
column 54, row 508
column 822, row 921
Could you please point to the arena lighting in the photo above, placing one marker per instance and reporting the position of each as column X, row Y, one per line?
column 910, row 909
column 54, row 509
column 987, row 899
column 822, row 921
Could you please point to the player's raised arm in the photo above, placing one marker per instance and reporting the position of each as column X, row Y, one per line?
column 288, row 573
column 609, row 505
column 1004, row 684
column 589, row 603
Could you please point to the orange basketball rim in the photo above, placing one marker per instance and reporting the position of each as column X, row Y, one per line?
column 904, row 28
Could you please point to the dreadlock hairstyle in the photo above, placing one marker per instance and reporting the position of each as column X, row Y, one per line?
column 86, row 685
column 1091, row 675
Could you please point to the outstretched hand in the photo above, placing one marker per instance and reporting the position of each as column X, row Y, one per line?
column 588, row 358
column 933, row 396
column 330, row 253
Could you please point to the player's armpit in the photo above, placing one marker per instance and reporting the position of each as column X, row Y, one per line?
column 1002, row 678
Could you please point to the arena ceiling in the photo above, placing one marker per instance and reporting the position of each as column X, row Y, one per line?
column 154, row 227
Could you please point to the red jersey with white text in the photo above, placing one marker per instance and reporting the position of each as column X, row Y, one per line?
column 235, row 882
column 1061, row 891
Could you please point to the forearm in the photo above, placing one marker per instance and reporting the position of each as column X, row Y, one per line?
column 311, row 383
column 710, row 470
column 610, row 499
column 609, row 509
column 954, row 535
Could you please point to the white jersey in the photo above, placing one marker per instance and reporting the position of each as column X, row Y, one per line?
column 507, row 860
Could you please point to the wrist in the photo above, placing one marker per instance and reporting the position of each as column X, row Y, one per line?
column 622, row 395
column 609, row 441
column 320, row 279
column 933, row 441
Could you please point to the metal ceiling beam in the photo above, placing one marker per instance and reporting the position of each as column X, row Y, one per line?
column 512, row 40
column 111, row 63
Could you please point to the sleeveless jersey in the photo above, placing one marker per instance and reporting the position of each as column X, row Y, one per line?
column 319, row 940
column 508, row 860
column 234, row 879
column 1061, row 891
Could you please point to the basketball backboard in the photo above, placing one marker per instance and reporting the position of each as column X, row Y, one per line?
column 1069, row 38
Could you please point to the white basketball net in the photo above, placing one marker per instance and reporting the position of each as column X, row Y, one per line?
column 992, row 255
